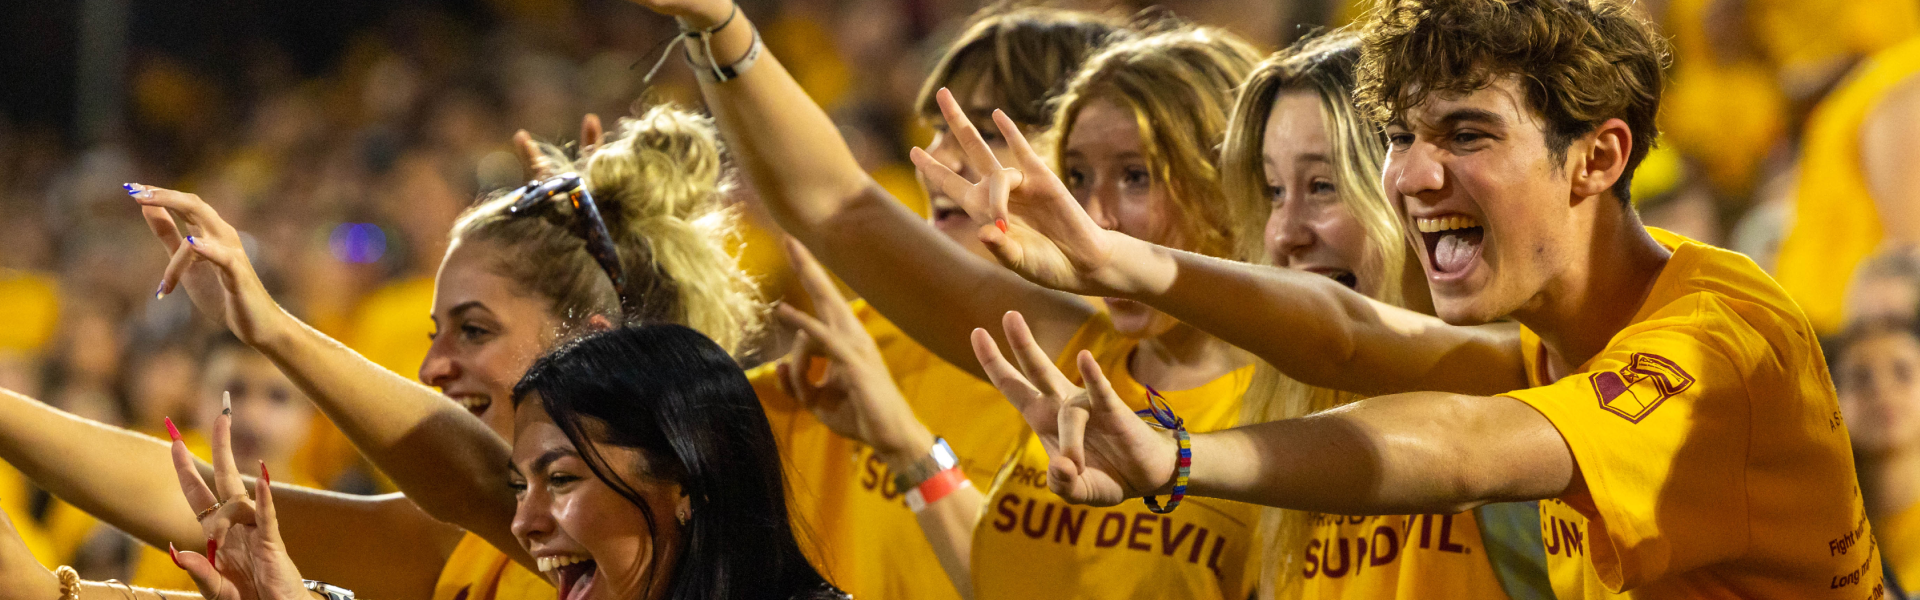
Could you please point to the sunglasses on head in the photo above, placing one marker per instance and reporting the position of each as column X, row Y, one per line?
column 587, row 224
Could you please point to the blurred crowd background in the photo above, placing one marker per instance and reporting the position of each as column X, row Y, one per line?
column 343, row 138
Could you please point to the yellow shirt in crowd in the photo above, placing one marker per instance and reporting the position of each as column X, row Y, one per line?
column 1711, row 447
column 843, row 501
column 1899, row 538
column 478, row 571
column 1032, row 544
column 1397, row 556
column 1836, row 224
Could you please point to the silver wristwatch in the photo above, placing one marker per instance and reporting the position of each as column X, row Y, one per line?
column 328, row 590
column 938, row 459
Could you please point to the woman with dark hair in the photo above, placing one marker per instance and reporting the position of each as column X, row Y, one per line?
column 643, row 469
column 668, row 426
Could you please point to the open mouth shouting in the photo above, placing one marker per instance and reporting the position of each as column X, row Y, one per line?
column 1341, row 276
column 573, row 574
column 1453, row 244
column 946, row 213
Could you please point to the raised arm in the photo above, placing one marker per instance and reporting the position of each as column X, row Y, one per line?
column 1308, row 326
column 444, row 458
column 1402, row 454
column 858, row 400
column 125, row 479
column 808, row 178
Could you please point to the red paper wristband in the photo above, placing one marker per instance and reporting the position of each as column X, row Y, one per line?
column 936, row 487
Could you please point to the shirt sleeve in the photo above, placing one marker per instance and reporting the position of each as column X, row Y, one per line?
column 1658, row 425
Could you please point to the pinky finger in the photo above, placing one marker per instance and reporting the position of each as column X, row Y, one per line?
column 200, row 569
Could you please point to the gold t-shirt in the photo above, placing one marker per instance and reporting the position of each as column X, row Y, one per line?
column 1711, row 446
column 478, row 571
column 1032, row 544
column 864, row 537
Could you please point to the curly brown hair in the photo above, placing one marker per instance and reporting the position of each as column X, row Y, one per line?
column 1581, row 62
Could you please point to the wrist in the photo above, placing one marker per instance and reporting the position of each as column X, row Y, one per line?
column 908, row 443
column 1137, row 270
column 275, row 332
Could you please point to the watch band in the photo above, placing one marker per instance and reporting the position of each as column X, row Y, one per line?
column 328, row 590
column 937, row 459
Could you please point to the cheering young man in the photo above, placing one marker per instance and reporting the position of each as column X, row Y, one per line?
column 1663, row 398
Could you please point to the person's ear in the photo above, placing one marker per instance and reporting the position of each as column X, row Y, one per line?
column 599, row 323
column 1602, row 158
column 683, row 508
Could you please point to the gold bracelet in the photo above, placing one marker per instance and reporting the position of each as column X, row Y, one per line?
column 69, row 582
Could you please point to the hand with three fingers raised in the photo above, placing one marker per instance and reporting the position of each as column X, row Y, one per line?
column 245, row 557
column 857, row 399
column 1098, row 451
column 208, row 258
column 1030, row 220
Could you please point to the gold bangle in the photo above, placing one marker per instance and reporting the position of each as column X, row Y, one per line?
column 69, row 582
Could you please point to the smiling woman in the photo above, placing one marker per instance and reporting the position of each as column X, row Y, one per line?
column 642, row 462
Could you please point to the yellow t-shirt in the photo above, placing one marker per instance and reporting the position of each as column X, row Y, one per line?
column 478, row 571
column 1397, row 556
column 1032, row 544
column 1899, row 538
column 1710, row 443
column 864, row 537
column 1836, row 224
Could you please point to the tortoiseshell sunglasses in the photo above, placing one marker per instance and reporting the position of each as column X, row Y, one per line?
column 587, row 223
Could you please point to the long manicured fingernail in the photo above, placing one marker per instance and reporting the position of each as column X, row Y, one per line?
column 226, row 404
column 263, row 473
column 1001, row 223
column 129, row 186
column 175, row 554
column 213, row 546
column 160, row 292
column 190, row 241
column 173, row 432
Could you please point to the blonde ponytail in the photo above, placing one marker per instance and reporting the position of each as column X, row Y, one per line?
column 658, row 182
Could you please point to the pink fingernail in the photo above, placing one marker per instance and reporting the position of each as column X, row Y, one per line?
column 172, row 431
column 1001, row 223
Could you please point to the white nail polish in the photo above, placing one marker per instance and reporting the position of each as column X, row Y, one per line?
column 226, row 403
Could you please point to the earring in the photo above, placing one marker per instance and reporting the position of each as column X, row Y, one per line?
column 683, row 515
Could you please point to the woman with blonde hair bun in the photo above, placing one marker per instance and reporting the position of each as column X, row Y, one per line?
column 521, row 274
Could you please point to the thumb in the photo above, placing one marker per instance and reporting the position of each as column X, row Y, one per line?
column 200, row 570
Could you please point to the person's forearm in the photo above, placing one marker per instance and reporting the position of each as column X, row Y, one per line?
column 1414, row 453
column 95, row 589
column 443, row 457
column 947, row 523
column 117, row 475
column 126, row 479
column 807, row 178
column 1314, row 329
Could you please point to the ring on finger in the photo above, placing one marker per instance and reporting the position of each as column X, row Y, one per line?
column 203, row 514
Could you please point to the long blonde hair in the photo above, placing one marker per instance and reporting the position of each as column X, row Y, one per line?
column 658, row 182
column 1323, row 66
column 1178, row 83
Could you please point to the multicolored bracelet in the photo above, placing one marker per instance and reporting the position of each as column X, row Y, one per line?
column 1161, row 415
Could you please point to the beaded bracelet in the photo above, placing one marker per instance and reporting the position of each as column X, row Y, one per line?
column 1162, row 416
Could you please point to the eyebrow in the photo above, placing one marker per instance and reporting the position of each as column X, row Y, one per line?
column 540, row 463
column 1472, row 115
column 463, row 307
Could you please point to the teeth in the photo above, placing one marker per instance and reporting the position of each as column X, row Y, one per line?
column 471, row 401
column 1446, row 223
column 549, row 563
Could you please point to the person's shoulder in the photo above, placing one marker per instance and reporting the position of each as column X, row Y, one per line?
column 1724, row 291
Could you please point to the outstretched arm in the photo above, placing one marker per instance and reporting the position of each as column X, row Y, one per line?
column 811, row 184
column 1308, row 326
column 123, row 478
column 445, row 459
column 1402, row 454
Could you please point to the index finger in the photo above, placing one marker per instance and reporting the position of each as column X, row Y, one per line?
column 226, row 477
column 191, row 486
column 1033, row 359
column 963, row 132
column 1004, row 376
column 827, row 301
column 1017, row 142
column 191, row 209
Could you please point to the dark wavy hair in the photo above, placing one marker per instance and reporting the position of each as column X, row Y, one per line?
column 1581, row 62
column 676, row 396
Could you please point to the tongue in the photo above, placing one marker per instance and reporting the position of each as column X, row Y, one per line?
column 1456, row 249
